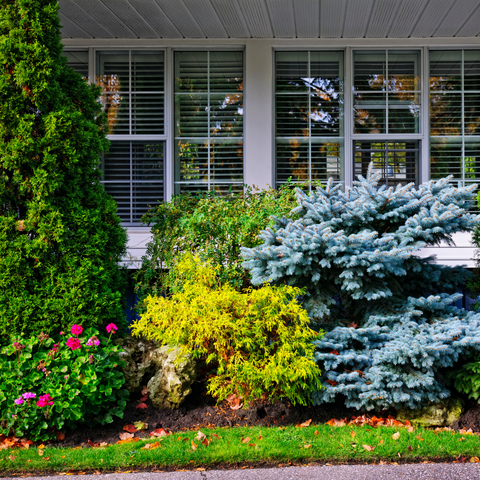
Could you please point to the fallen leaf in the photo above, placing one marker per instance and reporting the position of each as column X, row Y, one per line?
column 128, row 440
column 92, row 444
column 159, row 432
column 144, row 399
column 245, row 440
column 200, row 436
column 368, row 447
column 305, row 424
column 46, row 459
column 307, row 446
column 316, row 432
column 337, row 423
column 60, row 436
column 41, row 446
column 410, row 429
column 381, row 442
column 200, row 469
column 216, row 436
column 260, row 437
column 179, row 439
column 334, row 352
column 12, row 457
column 352, row 434
column 151, row 446
column 252, row 445
column 144, row 391
column 206, row 442
column 460, row 439
column 419, row 437
column 40, row 451
column 410, row 448
column 141, row 425
column 130, row 428
column 396, row 436
column 143, row 406
column 124, row 436
column 475, row 460
column 194, row 446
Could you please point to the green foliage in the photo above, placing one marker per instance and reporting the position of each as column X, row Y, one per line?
column 213, row 227
column 474, row 282
column 84, row 384
column 467, row 379
column 260, row 339
column 60, row 237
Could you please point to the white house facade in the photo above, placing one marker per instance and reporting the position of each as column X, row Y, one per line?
column 215, row 94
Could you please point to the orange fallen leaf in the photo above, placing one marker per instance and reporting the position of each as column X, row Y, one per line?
column 419, row 437
column 305, row 424
column 46, row 459
column 396, row 436
column 260, row 437
column 12, row 457
column 60, row 436
column 216, row 436
column 245, row 440
column 352, row 434
column 316, row 432
column 92, row 444
column 475, row 460
column 130, row 428
column 410, row 429
column 381, row 442
column 124, row 436
column 142, row 406
column 252, row 445
column 151, row 446
column 194, row 446
column 40, row 451
column 307, row 446
column 337, row 423
column 368, row 447
column 159, row 432
column 128, row 440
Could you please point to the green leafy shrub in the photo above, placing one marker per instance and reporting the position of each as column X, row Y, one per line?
column 213, row 227
column 60, row 238
column 467, row 378
column 75, row 375
column 259, row 339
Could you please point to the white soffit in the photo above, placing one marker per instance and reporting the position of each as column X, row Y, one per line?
column 216, row 19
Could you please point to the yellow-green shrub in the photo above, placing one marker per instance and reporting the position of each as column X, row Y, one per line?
column 260, row 339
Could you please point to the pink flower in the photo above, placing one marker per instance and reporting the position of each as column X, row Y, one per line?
column 76, row 329
column 28, row 395
column 111, row 327
column 62, row 333
column 93, row 341
column 19, row 400
column 45, row 400
column 73, row 343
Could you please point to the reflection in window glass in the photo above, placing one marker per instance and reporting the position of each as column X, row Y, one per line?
column 386, row 95
column 78, row 61
column 309, row 116
column 396, row 161
column 455, row 115
column 208, row 121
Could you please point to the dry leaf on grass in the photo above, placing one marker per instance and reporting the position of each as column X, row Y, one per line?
column 200, row 436
column 12, row 457
column 40, row 451
column 410, row 429
column 307, row 446
column 381, row 442
column 151, row 446
column 128, row 440
column 368, row 447
column 194, row 446
column 305, row 424
column 245, row 440
column 252, row 445
column 396, row 436
column 124, row 436
column 475, row 460
column 337, row 423
column 352, row 434
column 410, row 448
column 159, row 432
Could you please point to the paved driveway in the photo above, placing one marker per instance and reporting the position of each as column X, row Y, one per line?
column 431, row 471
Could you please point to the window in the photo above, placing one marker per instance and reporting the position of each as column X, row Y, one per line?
column 455, row 115
column 386, row 92
column 308, row 116
column 208, row 121
column 78, row 60
column 133, row 98
column 396, row 161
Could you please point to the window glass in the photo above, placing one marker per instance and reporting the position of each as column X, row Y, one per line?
column 396, row 161
column 386, row 92
column 455, row 115
column 208, row 121
column 78, row 60
column 308, row 116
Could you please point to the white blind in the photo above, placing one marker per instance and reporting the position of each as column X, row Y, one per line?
column 208, row 121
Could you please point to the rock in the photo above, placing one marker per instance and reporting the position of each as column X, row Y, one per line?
column 441, row 414
column 172, row 382
column 168, row 375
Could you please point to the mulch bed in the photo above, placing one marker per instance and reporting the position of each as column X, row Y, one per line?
column 201, row 411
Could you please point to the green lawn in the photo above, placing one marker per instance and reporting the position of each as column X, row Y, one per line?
column 250, row 445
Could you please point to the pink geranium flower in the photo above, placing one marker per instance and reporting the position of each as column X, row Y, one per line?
column 19, row 400
column 93, row 341
column 73, row 343
column 28, row 395
column 111, row 327
column 45, row 400
column 76, row 329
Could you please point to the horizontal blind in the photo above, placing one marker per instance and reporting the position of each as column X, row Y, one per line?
column 308, row 116
column 78, row 60
column 208, row 121
column 455, row 115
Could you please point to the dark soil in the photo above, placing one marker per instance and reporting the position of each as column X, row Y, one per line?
column 201, row 411
column 469, row 420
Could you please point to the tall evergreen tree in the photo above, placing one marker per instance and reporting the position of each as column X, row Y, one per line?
column 60, row 237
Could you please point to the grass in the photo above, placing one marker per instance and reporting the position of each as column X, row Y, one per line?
column 260, row 445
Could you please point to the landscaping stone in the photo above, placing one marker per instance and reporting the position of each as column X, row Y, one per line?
column 167, row 375
column 441, row 414
column 173, row 379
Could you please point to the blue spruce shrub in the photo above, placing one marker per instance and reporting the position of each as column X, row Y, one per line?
column 391, row 326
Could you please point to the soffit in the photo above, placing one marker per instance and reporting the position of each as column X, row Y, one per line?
column 216, row 19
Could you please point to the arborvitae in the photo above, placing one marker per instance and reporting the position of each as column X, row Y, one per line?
column 390, row 326
column 60, row 237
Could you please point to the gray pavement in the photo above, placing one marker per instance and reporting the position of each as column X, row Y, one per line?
column 431, row 471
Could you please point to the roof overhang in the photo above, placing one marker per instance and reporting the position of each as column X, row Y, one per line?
column 222, row 19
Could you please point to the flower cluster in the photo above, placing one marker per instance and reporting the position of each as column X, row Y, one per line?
column 76, row 329
column 93, row 341
column 111, row 328
column 23, row 397
column 73, row 343
column 44, row 401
